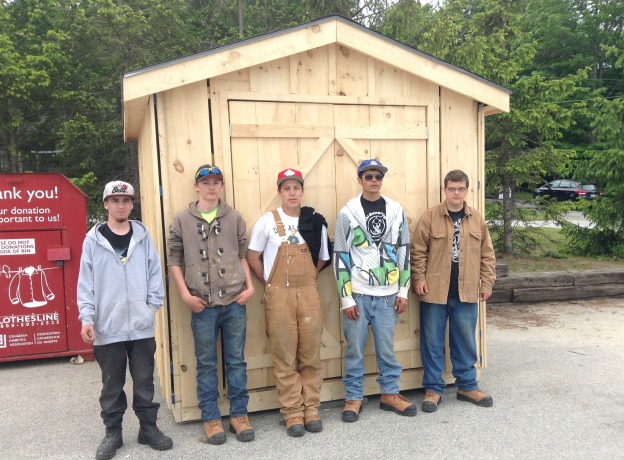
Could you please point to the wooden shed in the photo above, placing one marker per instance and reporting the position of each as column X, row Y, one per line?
column 320, row 97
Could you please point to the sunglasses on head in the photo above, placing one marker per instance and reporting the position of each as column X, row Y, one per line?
column 371, row 176
column 207, row 171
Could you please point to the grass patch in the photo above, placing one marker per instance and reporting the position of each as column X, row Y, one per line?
column 551, row 255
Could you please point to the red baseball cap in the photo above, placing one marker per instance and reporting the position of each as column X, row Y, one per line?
column 288, row 174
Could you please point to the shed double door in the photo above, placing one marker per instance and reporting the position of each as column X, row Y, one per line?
column 326, row 142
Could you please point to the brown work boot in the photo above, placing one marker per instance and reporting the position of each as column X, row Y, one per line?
column 476, row 397
column 295, row 427
column 241, row 427
column 215, row 432
column 352, row 410
column 313, row 423
column 431, row 401
column 397, row 404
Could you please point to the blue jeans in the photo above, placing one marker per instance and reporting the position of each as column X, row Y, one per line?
column 232, row 320
column 462, row 318
column 379, row 312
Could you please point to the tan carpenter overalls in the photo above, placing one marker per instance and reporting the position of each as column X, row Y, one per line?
column 293, row 321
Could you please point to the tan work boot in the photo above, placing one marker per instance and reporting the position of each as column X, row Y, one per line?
column 215, row 432
column 295, row 427
column 397, row 404
column 313, row 423
column 241, row 427
column 476, row 397
column 352, row 410
column 431, row 401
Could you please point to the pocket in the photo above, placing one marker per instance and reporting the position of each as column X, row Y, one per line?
column 390, row 301
column 475, row 241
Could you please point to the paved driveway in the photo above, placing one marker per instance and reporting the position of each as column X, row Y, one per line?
column 555, row 371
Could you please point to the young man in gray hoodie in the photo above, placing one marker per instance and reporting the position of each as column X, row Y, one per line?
column 120, row 288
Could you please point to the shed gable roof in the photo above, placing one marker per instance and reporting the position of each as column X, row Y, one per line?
column 140, row 84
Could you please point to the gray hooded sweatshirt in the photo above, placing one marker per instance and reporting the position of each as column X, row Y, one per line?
column 119, row 300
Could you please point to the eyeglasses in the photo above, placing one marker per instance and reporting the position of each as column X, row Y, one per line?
column 370, row 177
column 206, row 171
column 456, row 189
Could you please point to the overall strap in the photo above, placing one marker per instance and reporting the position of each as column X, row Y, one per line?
column 280, row 225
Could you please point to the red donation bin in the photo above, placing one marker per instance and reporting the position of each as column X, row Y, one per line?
column 43, row 223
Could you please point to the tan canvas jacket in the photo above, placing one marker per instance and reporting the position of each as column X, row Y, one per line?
column 431, row 248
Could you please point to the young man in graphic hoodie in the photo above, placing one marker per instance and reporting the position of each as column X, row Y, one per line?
column 120, row 288
column 372, row 269
column 207, row 247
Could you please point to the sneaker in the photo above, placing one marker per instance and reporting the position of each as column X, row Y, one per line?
column 109, row 445
column 397, row 404
column 241, row 427
column 151, row 435
column 214, row 432
column 295, row 427
column 352, row 410
column 431, row 401
column 313, row 424
column 476, row 397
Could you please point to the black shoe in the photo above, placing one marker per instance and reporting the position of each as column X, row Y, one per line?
column 150, row 434
column 109, row 445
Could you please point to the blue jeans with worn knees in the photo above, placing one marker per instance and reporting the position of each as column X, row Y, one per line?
column 231, row 320
column 379, row 312
column 462, row 319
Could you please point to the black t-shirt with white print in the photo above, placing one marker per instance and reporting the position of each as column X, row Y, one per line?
column 375, row 213
column 457, row 217
column 120, row 243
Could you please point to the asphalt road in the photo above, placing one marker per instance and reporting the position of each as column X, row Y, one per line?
column 555, row 371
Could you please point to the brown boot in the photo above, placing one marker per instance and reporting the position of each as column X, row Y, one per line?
column 241, row 427
column 431, row 401
column 397, row 404
column 352, row 410
column 476, row 397
column 295, row 427
column 215, row 432
column 313, row 423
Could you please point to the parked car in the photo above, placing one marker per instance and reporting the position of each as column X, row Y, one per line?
column 562, row 190
column 592, row 191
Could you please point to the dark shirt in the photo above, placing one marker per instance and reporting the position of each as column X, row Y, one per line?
column 120, row 243
column 375, row 213
column 311, row 230
column 456, row 216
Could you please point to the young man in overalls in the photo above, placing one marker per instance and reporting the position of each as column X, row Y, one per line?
column 287, row 249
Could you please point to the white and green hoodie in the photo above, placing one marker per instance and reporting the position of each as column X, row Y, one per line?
column 361, row 266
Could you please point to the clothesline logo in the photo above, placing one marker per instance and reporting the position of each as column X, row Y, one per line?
column 28, row 286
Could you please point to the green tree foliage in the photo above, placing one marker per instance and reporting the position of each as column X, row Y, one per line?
column 33, row 61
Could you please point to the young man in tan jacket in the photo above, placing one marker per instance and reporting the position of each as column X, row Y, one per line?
column 453, row 267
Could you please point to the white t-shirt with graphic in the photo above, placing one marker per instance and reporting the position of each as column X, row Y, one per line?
column 265, row 238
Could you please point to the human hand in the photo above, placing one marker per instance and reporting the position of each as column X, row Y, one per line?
column 484, row 296
column 88, row 333
column 421, row 287
column 244, row 296
column 196, row 304
column 400, row 305
column 352, row 312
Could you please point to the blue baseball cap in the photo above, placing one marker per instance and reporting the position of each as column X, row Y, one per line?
column 367, row 165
